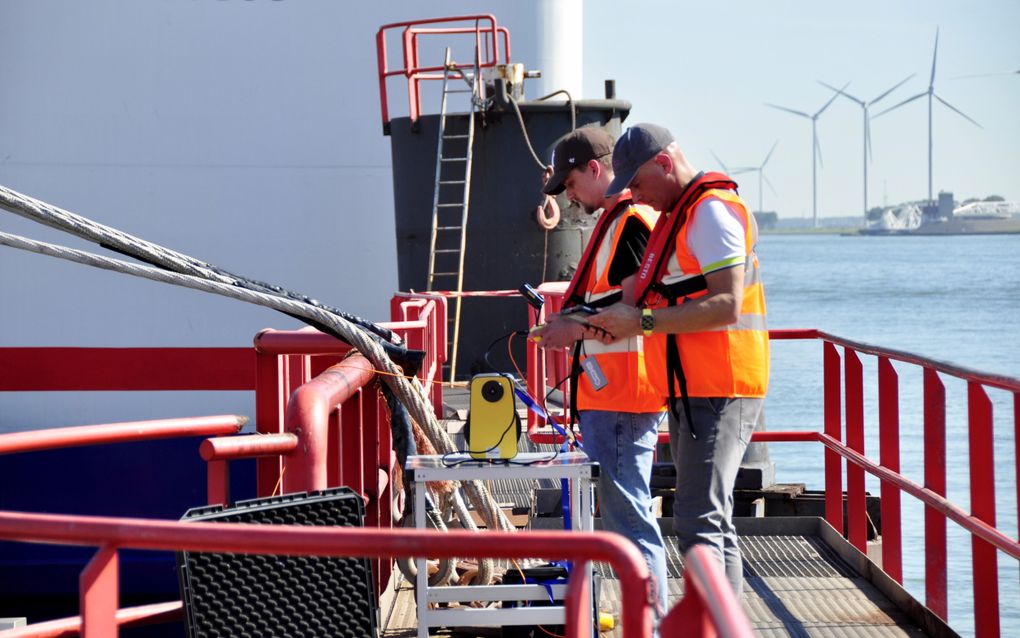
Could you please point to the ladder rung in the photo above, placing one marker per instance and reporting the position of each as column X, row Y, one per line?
column 447, row 250
column 459, row 91
column 440, row 274
column 453, row 182
column 453, row 159
column 449, row 227
column 456, row 137
column 449, row 205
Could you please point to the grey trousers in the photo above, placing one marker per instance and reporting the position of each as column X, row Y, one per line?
column 706, row 469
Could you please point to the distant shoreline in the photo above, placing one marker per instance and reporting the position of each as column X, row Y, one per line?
column 828, row 230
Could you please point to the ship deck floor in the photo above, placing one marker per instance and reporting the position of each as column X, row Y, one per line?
column 795, row 584
column 801, row 578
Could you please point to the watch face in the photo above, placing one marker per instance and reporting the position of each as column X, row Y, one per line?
column 647, row 322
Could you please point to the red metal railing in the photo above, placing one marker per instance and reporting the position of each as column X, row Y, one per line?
column 709, row 607
column 486, row 52
column 843, row 437
column 100, row 584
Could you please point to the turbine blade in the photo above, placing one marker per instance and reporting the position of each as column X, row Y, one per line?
column 742, row 169
column 962, row 114
column 831, row 100
column 906, row 101
column 984, row 75
column 769, row 155
column 783, row 108
column 721, row 163
column 894, row 87
column 934, row 55
column 842, row 92
column 818, row 147
column 771, row 187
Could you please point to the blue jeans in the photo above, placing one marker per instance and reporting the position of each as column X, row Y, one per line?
column 706, row 469
column 623, row 444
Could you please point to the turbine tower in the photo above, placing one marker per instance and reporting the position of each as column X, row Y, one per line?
column 760, row 169
column 816, row 151
column 931, row 96
column 865, row 105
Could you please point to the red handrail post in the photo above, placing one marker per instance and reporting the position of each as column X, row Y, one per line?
column 935, row 480
column 218, row 482
column 578, row 603
column 833, row 428
column 98, row 592
column 270, row 409
column 982, row 504
column 889, row 455
column 1016, row 444
column 353, row 453
column 857, row 513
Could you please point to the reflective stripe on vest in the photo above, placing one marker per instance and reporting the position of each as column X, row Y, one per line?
column 629, row 387
column 731, row 360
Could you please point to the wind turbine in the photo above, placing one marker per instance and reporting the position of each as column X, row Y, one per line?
column 867, row 127
column 743, row 169
column 760, row 169
column 931, row 94
column 816, row 151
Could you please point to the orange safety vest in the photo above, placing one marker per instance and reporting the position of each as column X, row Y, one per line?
column 728, row 361
column 629, row 387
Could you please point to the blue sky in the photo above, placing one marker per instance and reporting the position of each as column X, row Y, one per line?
column 705, row 70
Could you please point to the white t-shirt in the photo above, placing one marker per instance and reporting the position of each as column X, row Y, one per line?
column 716, row 236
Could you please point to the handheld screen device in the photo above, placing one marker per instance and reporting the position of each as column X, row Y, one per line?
column 533, row 297
column 493, row 426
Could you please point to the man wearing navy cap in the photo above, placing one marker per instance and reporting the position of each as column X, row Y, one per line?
column 614, row 399
column 699, row 285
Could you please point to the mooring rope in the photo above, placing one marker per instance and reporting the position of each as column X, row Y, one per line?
column 411, row 395
column 154, row 254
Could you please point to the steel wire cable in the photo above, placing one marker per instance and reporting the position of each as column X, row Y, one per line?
column 412, row 395
column 160, row 256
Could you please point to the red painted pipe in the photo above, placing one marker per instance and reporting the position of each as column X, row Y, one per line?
column 303, row 341
column 308, row 418
column 630, row 567
column 128, row 617
column 248, row 446
column 54, row 438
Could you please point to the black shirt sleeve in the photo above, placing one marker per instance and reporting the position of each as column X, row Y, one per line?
column 629, row 251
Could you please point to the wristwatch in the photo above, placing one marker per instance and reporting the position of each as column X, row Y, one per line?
column 647, row 321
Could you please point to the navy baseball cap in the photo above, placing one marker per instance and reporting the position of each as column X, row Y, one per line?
column 574, row 151
column 636, row 146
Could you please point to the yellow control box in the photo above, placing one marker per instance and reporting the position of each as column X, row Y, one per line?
column 493, row 426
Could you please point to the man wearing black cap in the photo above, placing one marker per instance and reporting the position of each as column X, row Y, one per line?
column 699, row 285
column 618, row 408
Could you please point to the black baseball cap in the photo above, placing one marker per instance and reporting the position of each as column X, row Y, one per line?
column 636, row 146
column 574, row 150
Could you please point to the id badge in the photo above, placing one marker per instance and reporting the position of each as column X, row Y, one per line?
column 595, row 375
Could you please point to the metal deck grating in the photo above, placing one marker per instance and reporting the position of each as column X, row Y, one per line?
column 794, row 586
